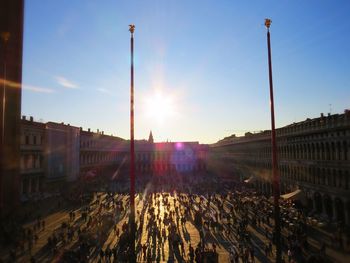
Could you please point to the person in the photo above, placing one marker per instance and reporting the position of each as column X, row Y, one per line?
column 182, row 247
column 232, row 255
column 252, row 254
column 144, row 249
column 323, row 248
column 108, row 254
column 191, row 253
column 149, row 256
column 197, row 253
column 102, row 254
column 266, row 250
column 289, row 253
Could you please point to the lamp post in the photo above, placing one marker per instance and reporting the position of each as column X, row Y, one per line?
column 275, row 175
column 132, row 225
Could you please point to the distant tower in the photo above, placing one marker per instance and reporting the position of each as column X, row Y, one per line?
column 150, row 138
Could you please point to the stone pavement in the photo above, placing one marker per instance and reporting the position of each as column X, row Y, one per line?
column 159, row 248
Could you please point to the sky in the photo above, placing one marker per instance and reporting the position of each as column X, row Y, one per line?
column 201, row 70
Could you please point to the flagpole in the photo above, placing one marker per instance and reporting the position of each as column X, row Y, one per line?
column 132, row 152
column 275, row 175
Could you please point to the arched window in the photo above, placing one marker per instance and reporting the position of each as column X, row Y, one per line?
column 319, row 151
column 333, row 151
column 345, row 148
column 327, row 152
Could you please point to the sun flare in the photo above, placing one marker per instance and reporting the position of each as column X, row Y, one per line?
column 159, row 107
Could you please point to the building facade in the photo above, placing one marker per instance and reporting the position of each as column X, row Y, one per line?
column 52, row 153
column 49, row 153
column 100, row 152
column 170, row 157
column 313, row 155
column 32, row 164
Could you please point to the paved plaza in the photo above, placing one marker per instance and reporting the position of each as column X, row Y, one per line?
column 172, row 226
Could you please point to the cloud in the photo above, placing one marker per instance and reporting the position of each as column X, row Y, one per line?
column 103, row 90
column 37, row 89
column 66, row 83
column 13, row 84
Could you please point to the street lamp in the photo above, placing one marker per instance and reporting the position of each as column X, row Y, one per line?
column 132, row 225
column 275, row 175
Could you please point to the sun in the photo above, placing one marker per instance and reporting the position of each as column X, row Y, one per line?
column 159, row 107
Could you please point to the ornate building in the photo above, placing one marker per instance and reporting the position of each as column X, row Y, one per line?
column 168, row 157
column 99, row 152
column 52, row 153
column 49, row 153
column 313, row 155
column 32, row 157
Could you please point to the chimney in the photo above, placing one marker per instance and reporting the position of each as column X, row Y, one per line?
column 24, row 117
column 89, row 130
column 102, row 132
column 322, row 115
column 31, row 118
column 329, row 114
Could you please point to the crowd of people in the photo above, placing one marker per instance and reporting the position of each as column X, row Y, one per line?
column 178, row 219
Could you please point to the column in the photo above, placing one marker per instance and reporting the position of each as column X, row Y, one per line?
column 314, row 205
column 347, row 212
column 29, row 186
column 37, row 185
column 22, row 185
column 335, row 215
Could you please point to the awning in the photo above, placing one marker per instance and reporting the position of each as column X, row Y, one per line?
column 296, row 195
column 250, row 180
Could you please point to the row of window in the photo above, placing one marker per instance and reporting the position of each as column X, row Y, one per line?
column 32, row 185
column 315, row 136
column 168, row 167
column 99, row 143
column 31, row 161
column 318, row 176
column 101, row 157
column 31, row 139
column 314, row 125
column 324, row 151
column 314, row 175
column 164, row 156
column 90, row 158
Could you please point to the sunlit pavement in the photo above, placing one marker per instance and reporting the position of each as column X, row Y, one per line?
column 159, row 248
column 54, row 222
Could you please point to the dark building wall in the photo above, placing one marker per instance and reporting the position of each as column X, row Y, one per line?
column 11, row 26
column 313, row 156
